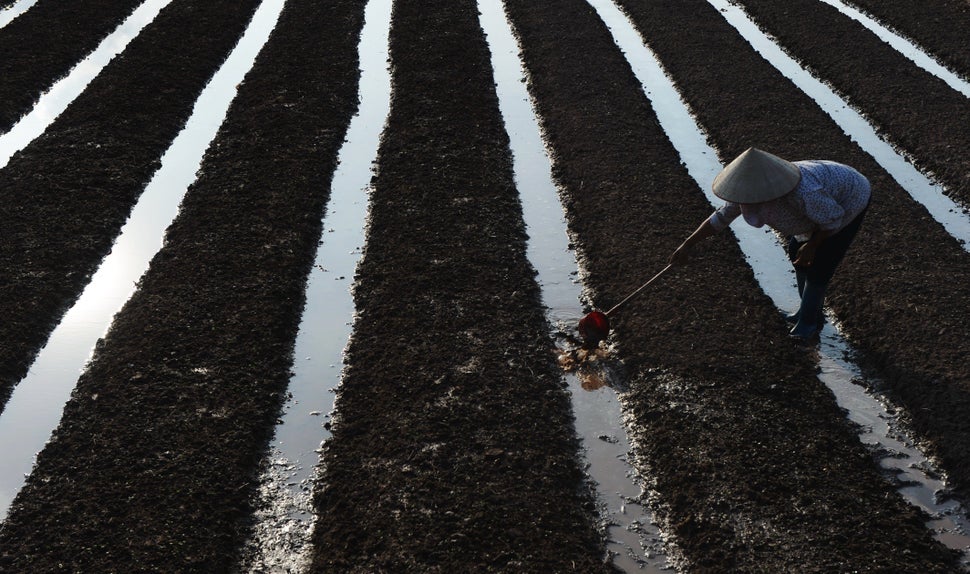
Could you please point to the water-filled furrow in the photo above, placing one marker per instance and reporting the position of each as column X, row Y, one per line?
column 913, row 110
column 42, row 41
column 769, row 110
column 881, row 429
column 37, row 403
column 451, row 434
column 13, row 10
column 55, row 100
column 67, row 194
column 905, row 47
column 285, row 519
column 940, row 27
column 954, row 218
column 633, row 540
column 308, row 409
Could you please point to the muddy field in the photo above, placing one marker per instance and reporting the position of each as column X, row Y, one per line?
column 453, row 448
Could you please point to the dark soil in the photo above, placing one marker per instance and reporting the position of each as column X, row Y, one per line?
column 453, row 447
column 43, row 44
column 156, row 461
column 940, row 27
column 453, row 451
column 901, row 294
column 716, row 389
column 66, row 196
column 874, row 77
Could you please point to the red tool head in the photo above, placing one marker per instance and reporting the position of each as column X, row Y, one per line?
column 594, row 327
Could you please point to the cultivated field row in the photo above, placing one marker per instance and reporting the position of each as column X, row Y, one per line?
column 453, row 448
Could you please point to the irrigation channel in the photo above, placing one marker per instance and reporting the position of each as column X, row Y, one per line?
column 56, row 99
column 12, row 11
column 285, row 519
column 36, row 406
column 880, row 424
column 634, row 542
column 282, row 535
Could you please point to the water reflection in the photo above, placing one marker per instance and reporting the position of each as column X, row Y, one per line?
column 66, row 90
column 904, row 47
column 881, row 429
column 634, row 543
column 8, row 14
column 282, row 535
column 954, row 218
column 37, row 403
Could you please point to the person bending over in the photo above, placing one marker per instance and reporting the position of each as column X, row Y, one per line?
column 818, row 205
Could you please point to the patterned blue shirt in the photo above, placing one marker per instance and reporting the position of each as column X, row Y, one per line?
column 828, row 197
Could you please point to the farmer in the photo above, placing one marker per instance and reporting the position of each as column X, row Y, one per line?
column 817, row 205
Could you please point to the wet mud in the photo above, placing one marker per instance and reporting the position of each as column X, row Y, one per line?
column 155, row 463
column 67, row 194
column 875, row 77
column 939, row 26
column 450, row 451
column 453, row 447
column 717, row 391
column 900, row 295
column 43, row 44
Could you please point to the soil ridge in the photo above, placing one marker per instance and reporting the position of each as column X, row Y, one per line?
column 66, row 195
column 901, row 293
column 155, row 465
column 452, row 448
column 44, row 43
column 940, row 26
column 453, row 445
column 917, row 111
column 732, row 427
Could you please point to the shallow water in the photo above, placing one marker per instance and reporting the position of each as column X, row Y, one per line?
column 905, row 47
column 8, row 14
column 284, row 526
column 35, row 408
column 634, row 540
column 37, row 403
column 53, row 102
column 880, row 426
column 954, row 218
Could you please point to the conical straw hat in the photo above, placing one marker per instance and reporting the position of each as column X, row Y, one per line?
column 755, row 177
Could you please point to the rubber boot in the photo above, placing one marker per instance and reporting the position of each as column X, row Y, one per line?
column 806, row 329
column 800, row 277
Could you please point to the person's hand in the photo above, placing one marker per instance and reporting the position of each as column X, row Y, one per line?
column 805, row 256
column 680, row 257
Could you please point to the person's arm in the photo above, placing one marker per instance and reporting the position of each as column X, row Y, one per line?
column 821, row 207
column 703, row 231
column 806, row 253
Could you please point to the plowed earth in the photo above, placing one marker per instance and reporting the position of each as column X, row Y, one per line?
column 452, row 448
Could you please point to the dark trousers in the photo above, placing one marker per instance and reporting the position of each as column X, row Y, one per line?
column 828, row 256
